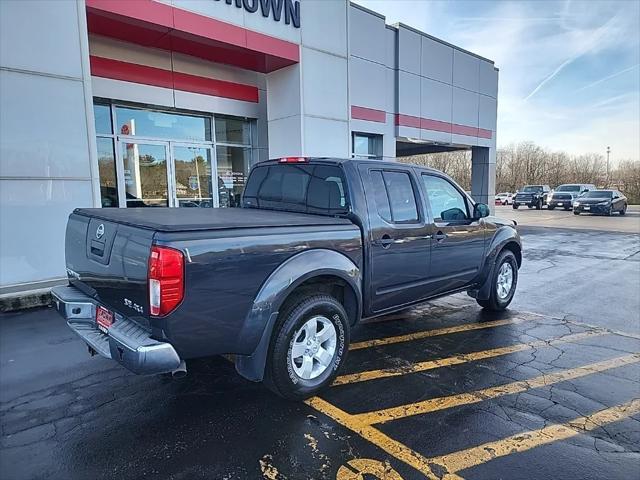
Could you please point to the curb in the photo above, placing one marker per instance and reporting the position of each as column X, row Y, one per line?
column 11, row 302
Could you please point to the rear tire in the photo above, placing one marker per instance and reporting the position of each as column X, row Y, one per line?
column 515, row 206
column 576, row 213
column 296, row 366
column 539, row 205
column 550, row 207
column 500, row 297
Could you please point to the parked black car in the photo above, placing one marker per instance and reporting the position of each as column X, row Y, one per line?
column 604, row 202
column 318, row 245
column 531, row 196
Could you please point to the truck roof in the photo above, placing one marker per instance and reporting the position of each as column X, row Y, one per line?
column 325, row 160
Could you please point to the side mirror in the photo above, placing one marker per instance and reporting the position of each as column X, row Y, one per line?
column 481, row 210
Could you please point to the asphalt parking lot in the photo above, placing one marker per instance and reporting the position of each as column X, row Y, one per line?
column 549, row 389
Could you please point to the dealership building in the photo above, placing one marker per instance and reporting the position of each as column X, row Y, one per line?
column 128, row 103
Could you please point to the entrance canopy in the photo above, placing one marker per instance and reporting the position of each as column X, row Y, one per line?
column 158, row 25
column 406, row 147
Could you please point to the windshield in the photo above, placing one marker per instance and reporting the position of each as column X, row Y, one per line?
column 307, row 188
column 598, row 194
column 568, row 188
column 532, row 188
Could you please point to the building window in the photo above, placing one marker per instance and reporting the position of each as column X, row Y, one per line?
column 367, row 145
column 166, row 158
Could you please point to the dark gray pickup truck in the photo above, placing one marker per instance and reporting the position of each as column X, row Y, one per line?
column 318, row 245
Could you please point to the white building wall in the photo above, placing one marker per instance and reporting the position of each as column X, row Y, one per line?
column 308, row 103
column 47, row 147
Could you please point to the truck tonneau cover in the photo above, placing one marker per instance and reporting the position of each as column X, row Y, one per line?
column 163, row 219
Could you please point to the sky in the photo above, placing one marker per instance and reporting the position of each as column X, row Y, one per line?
column 569, row 69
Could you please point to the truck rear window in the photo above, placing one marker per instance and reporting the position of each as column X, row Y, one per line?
column 316, row 189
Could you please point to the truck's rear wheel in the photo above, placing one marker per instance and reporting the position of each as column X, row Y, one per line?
column 503, row 282
column 309, row 346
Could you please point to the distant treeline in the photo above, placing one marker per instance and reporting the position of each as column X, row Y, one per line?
column 527, row 163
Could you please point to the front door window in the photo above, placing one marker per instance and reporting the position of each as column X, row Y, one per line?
column 145, row 174
column 193, row 178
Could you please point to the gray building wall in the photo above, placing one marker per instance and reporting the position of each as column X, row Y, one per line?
column 47, row 146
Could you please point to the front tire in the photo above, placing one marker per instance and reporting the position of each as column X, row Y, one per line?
column 551, row 207
column 624, row 209
column 515, row 206
column 504, row 280
column 539, row 205
column 309, row 346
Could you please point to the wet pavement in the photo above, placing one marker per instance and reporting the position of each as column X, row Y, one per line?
column 549, row 389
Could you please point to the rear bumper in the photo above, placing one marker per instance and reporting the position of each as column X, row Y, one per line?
column 127, row 342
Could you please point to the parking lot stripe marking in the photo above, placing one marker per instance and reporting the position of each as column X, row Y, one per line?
column 459, row 359
column 471, row 457
column 375, row 436
column 443, row 403
column 434, row 333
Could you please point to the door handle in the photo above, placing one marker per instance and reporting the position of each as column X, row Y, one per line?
column 385, row 241
column 440, row 236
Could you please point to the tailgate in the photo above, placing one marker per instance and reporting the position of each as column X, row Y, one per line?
column 109, row 262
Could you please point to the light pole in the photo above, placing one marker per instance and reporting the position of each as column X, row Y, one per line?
column 608, row 152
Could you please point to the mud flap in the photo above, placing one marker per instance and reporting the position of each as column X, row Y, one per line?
column 252, row 366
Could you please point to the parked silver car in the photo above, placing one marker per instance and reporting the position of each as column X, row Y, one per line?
column 564, row 195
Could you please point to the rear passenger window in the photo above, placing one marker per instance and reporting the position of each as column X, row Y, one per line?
column 380, row 195
column 394, row 196
column 401, row 197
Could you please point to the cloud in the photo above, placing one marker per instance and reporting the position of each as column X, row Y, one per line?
column 608, row 77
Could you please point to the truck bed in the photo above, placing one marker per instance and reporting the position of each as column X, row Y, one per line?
column 197, row 219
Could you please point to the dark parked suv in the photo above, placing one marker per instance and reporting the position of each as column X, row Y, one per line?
column 318, row 245
column 532, row 196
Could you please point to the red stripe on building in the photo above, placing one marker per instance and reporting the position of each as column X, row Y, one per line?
column 484, row 133
column 158, row 77
column 464, row 130
column 436, row 125
column 370, row 114
column 158, row 25
column 439, row 126
column 407, row 120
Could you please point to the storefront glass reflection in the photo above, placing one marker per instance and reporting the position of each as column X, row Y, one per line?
column 145, row 175
column 233, row 168
column 107, row 170
column 193, row 176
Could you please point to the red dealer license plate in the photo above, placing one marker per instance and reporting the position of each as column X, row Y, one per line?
column 104, row 318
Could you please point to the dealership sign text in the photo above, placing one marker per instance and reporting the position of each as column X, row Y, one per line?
column 271, row 7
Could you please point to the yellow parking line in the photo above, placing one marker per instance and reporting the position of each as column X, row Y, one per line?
column 375, row 436
column 471, row 457
column 459, row 359
column 442, row 403
column 434, row 333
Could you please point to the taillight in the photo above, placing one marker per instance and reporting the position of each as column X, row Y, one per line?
column 165, row 280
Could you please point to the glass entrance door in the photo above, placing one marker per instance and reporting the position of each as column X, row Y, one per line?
column 146, row 172
column 194, row 166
